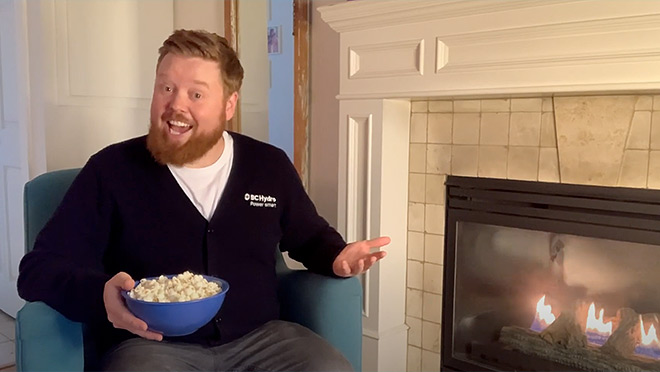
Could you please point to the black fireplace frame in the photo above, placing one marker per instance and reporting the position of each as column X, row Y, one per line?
column 616, row 213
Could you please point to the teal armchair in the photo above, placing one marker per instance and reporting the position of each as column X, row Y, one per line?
column 47, row 341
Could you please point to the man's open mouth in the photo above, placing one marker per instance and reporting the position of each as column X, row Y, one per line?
column 178, row 127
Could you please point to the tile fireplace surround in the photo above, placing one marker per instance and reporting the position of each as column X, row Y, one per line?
column 543, row 90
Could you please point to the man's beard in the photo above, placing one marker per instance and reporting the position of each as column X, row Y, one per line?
column 165, row 152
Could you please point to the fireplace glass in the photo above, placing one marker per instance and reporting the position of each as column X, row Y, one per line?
column 542, row 281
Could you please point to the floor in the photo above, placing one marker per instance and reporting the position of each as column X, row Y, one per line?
column 7, row 357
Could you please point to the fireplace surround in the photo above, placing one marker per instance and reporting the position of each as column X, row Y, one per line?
column 506, row 67
column 520, row 252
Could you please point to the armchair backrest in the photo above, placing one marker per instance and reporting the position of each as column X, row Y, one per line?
column 41, row 196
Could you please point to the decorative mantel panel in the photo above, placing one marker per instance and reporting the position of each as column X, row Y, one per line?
column 428, row 48
column 395, row 50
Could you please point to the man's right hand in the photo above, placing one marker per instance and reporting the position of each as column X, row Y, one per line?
column 118, row 313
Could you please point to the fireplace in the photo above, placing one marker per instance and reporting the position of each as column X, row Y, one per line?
column 561, row 91
column 550, row 277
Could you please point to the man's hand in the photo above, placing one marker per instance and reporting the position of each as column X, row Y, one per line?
column 118, row 313
column 358, row 257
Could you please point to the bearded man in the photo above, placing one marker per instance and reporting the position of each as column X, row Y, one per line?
column 174, row 201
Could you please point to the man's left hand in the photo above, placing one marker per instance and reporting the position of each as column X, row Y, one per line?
column 358, row 257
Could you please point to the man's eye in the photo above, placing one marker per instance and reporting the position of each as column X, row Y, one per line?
column 197, row 95
column 167, row 88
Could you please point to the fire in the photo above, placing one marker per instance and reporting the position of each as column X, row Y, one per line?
column 649, row 345
column 596, row 330
column 650, row 337
column 544, row 316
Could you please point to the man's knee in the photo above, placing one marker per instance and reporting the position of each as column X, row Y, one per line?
column 144, row 355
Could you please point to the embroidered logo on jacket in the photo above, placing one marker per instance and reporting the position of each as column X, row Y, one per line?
column 263, row 201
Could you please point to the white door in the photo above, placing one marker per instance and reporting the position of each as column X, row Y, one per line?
column 91, row 70
column 13, row 149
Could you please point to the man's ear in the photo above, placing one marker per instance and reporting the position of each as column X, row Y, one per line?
column 230, row 107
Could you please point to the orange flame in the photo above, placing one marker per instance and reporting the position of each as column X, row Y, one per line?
column 650, row 337
column 595, row 323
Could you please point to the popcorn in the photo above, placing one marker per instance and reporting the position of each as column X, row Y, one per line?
column 182, row 287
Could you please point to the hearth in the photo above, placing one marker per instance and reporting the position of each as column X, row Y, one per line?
column 550, row 277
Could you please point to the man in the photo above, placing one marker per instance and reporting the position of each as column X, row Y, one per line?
column 181, row 198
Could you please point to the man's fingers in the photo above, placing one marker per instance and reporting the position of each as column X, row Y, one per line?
column 378, row 242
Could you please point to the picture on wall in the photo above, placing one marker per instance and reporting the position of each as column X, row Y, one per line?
column 274, row 40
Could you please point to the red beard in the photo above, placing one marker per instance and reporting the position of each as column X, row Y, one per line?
column 166, row 152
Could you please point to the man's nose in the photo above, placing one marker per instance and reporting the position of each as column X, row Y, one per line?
column 177, row 102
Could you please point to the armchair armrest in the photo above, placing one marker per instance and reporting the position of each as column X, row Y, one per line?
column 331, row 307
column 53, row 342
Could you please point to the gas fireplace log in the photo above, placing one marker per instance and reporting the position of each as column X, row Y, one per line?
column 565, row 332
column 586, row 358
column 626, row 336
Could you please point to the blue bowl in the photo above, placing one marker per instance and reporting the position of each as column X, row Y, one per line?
column 178, row 318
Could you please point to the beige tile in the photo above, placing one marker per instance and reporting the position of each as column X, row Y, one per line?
column 417, row 161
column 435, row 189
column 492, row 161
column 434, row 248
column 432, row 307
column 415, row 275
column 441, row 106
column 465, row 160
column 654, row 170
column 495, row 105
column 465, row 130
column 494, row 128
column 644, row 103
column 432, row 278
column 634, row 169
column 523, row 163
column 526, row 105
column 467, row 106
column 655, row 130
column 414, row 302
column 438, row 159
column 431, row 336
column 5, row 318
column 416, row 217
column 525, row 129
column 414, row 331
column 656, row 103
column 416, row 246
column 640, row 131
column 439, row 128
column 548, row 132
column 548, row 104
column 418, row 128
column 414, row 362
column 435, row 219
column 419, row 106
column 548, row 165
column 591, row 137
column 416, row 187
column 430, row 361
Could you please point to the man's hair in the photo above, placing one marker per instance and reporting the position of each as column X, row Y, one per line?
column 209, row 46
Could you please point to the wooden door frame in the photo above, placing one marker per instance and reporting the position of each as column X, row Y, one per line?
column 301, row 58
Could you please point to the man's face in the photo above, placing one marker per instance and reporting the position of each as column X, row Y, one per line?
column 188, row 112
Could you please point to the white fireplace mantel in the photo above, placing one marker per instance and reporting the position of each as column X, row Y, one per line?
column 395, row 50
column 428, row 48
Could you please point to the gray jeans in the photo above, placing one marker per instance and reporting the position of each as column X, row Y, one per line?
column 275, row 346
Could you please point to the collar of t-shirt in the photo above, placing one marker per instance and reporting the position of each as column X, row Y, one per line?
column 204, row 186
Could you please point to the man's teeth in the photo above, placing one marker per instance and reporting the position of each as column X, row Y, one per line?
column 178, row 124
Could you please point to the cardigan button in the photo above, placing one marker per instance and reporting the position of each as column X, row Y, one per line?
column 210, row 231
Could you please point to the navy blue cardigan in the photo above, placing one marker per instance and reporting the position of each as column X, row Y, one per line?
column 125, row 212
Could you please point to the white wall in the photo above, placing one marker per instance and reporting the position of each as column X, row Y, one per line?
column 324, row 115
column 280, row 104
column 252, row 42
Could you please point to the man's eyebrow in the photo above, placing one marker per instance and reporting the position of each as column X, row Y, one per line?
column 199, row 82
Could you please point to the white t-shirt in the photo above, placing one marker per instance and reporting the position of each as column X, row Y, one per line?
column 204, row 186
